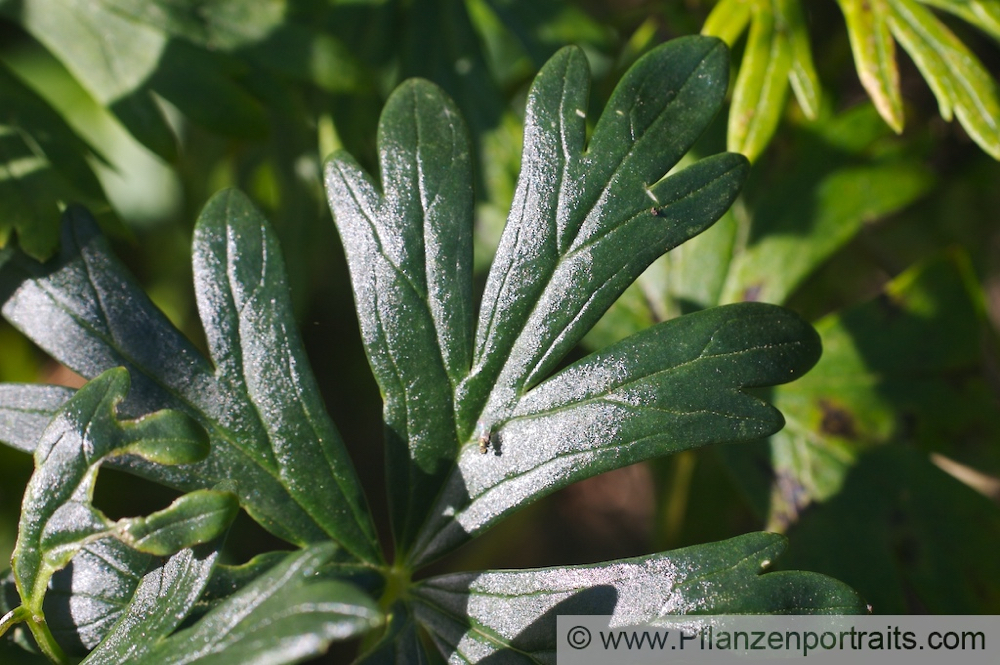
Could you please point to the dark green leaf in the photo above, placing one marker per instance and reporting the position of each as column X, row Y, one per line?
column 400, row 644
column 89, row 313
column 672, row 387
column 25, row 411
column 86, row 598
column 284, row 616
column 474, row 615
column 410, row 254
column 58, row 519
column 266, row 388
column 588, row 219
column 160, row 602
column 919, row 540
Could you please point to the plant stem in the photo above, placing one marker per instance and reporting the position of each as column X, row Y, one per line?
column 46, row 642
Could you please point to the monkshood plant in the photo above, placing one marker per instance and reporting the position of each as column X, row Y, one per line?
column 479, row 418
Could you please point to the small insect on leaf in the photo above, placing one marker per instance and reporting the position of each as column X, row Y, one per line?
column 483, row 436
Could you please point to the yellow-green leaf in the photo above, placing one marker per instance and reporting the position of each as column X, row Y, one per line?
column 875, row 56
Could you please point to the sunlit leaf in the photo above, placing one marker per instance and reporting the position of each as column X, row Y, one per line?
column 260, row 399
column 672, row 387
column 759, row 95
column 875, row 56
column 958, row 79
column 473, row 616
column 410, row 253
column 284, row 616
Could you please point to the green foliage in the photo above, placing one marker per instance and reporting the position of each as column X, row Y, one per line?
column 479, row 418
column 886, row 475
column 778, row 53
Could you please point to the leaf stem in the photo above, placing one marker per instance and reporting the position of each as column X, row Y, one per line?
column 12, row 618
column 46, row 642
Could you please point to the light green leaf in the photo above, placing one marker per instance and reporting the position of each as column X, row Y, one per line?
column 984, row 14
column 905, row 366
column 811, row 215
column 759, row 95
column 675, row 386
column 410, row 254
column 727, row 20
column 958, row 79
column 196, row 517
column 86, row 310
column 803, row 76
column 121, row 51
column 111, row 55
column 284, row 616
column 473, row 616
column 875, row 56
column 42, row 163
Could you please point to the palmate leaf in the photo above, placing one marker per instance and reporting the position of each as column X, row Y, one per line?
column 472, row 616
column 259, row 399
column 586, row 221
column 669, row 388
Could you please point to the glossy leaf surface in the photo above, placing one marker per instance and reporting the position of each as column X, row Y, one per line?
column 473, row 616
column 587, row 219
column 58, row 519
column 162, row 599
column 90, row 314
column 672, row 387
column 410, row 254
column 284, row 616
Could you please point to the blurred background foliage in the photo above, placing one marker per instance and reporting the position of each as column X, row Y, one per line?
column 869, row 211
